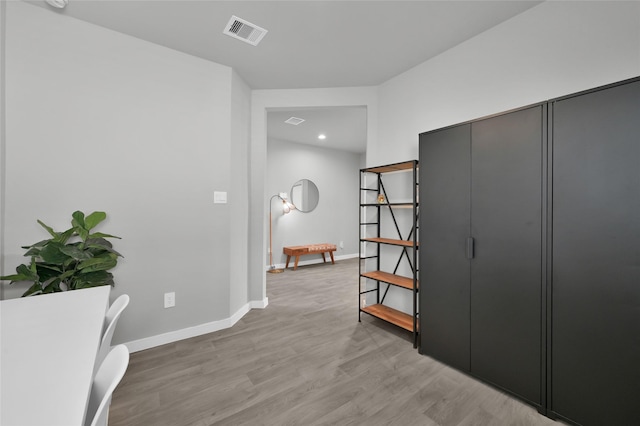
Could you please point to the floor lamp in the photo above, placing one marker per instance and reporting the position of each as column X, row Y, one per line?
column 286, row 208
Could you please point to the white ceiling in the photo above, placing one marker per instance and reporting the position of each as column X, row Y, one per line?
column 310, row 44
column 345, row 128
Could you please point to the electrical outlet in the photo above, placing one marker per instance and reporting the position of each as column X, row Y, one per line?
column 169, row 300
column 341, row 244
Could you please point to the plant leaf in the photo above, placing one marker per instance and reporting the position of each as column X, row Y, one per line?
column 36, row 288
column 97, row 264
column 63, row 237
column 100, row 245
column 101, row 235
column 38, row 244
column 33, row 251
column 45, row 273
column 67, row 274
column 48, row 228
column 29, row 271
column 51, row 267
column 82, row 233
column 97, row 276
column 16, row 278
column 98, row 241
column 78, row 219
column 33, row 266
column 69, row 263
column 94, row 219
column 76, row 252
column 94, row 279
column 24, row 273
column 99, row 251
column 51, row 253
column 52, row 287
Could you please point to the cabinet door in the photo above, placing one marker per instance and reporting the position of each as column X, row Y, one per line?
column 596, row 257
column 506, row 271
column 444, row 229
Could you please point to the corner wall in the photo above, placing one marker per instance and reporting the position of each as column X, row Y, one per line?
column 3, row 167
column 97, row 120
column 553, row 49
column 239, row 193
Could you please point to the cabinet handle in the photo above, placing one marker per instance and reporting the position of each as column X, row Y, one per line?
column 470, row 244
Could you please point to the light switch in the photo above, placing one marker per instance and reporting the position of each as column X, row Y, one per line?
column 219, row 197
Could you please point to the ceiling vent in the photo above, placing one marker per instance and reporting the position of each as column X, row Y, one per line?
column 294, row 120
column 244, row 30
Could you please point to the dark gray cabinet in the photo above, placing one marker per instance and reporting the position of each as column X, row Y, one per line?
column 445, row 159
column 481, row 190
column 506, row 227
column 530, row 258
column 595, row 330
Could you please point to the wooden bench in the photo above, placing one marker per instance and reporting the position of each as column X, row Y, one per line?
column 298, row 251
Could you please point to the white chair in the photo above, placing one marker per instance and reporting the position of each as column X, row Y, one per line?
column 104, row 383
column 110, row 321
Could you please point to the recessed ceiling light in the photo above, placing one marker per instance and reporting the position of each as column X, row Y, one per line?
column 322, row 136
column 60, row 4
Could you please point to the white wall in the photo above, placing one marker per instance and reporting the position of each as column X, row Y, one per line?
column 239, row 192
column 97, row 120
column 554, row 49
column 3, row 27
column 335, row 219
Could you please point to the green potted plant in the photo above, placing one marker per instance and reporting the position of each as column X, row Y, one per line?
column 69, row 260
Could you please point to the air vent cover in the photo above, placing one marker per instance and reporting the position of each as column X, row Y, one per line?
column 294, row 120
column 244, row 30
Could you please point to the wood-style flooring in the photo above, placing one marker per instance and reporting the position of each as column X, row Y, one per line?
column 306, row 360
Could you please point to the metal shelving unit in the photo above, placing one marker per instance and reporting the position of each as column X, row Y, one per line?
column 373, row 280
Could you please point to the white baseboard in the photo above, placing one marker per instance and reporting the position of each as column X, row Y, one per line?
column 312, row 261
column 210, row 327
column 259, row 304
column 198, row 330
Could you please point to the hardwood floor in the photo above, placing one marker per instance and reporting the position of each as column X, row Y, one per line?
column 306, row 360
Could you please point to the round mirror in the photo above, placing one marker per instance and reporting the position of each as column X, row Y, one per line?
column 305, row 195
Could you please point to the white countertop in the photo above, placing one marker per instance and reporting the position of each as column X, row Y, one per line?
column 48, row 346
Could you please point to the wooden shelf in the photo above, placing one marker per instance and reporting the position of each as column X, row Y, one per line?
column 397, row 205
column 368, row 257
column 407, row 165
column 390, row 241
column 402, row 205
column 391, row 315
column 393, row 279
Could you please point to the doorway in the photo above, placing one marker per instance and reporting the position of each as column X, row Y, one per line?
column 318, row 148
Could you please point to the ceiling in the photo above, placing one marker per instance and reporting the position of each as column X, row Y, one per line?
column 345, row 128
column 309, row 44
